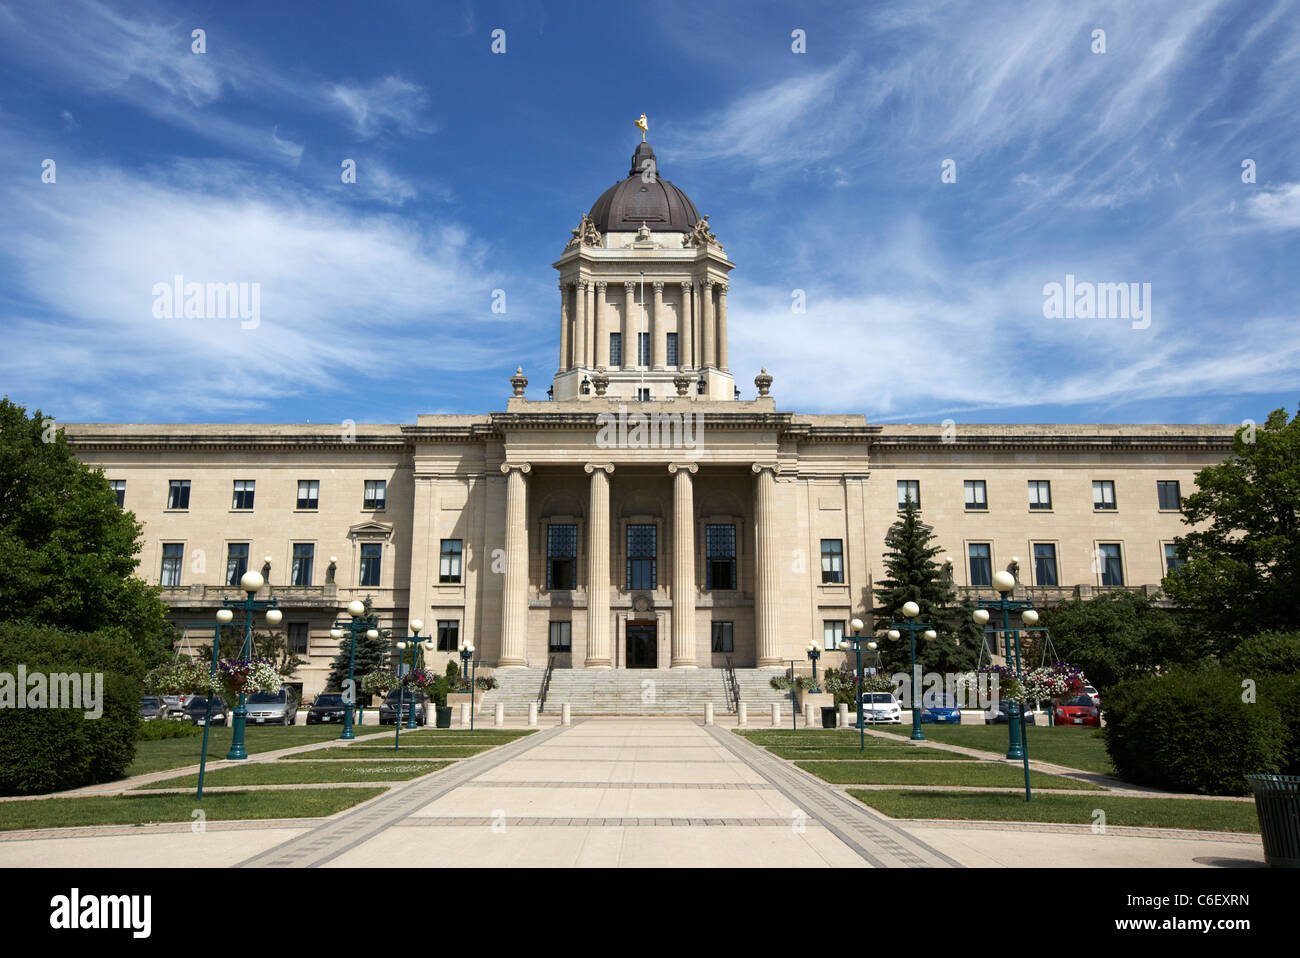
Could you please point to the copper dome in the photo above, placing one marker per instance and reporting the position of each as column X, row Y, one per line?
column 658, row 204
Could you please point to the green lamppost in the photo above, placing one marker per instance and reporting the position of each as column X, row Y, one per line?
column 1004, row 582
column 814, row 653
column 910, row 611
column 413, row 644
column 250, row 582
column 468, row 664
column 856, row 643
column 357, row 610
column 224, row 618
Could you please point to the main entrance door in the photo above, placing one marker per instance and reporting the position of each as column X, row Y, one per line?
column 641, row 646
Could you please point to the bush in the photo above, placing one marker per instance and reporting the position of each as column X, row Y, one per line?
column 1283, row 692
column 156, row 730
column 1269, row 653
column 1191, row 732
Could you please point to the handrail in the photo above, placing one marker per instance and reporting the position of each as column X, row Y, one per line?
column 546, row 685
column 733, row 686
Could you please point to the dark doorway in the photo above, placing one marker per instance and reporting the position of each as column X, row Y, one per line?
column 641, row 646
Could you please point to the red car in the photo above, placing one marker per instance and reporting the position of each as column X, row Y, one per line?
column 1078, row 710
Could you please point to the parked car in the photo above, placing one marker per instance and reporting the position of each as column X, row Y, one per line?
column 1078, row 710
column 1000, row 716
column 1093, row 694
column 196, row 710
column 388, row 708
column 152, row 707
column 273, row 708
column 328, row 707
column 940, row 709
column 176, row 705
column 881, row 707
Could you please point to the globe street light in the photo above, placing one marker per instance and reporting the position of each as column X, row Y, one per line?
column 469, row 665
column 856, row 643
column 910, row 612
column 250, row 582
column 224, row 618
column 814, row 653
column 1004, row 582
column 414, row 645
column 356, row 609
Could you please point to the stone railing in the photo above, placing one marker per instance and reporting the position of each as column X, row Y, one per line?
column 1051, row 594
column 323, row 596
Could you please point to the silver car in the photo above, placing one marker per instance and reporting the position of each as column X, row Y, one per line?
column 272, row 708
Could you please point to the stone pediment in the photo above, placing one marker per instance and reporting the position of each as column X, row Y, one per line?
column 371, row 530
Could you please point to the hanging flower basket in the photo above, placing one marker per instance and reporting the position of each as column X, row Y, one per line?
column 1010, row 687
column 380, row 682
column 248, row 676
column 180, row 678
column 418, row 680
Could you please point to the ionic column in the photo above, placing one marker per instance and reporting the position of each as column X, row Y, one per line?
column 598, row 566
column 602, row 324
column 658, row 330
column 514, row 597
column 766, row 591
column 722, row 326
column 591, row 323
column 683, row 645
column 709, row 358
column 684, row 326
column 631, row 321
column 564, row 327
column 580, row 324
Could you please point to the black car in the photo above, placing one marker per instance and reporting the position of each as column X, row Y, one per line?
column 328, row 707
column 152, row 707
column 196, row 711
column 388, row 708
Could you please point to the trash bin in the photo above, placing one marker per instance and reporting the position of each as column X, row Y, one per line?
column 1277, row 802
column 828, row 716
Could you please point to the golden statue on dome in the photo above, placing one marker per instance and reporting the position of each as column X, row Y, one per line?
column 643, row 126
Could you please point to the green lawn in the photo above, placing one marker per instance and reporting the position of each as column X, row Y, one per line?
column 297, row 773
column 147, row 809
column 493, row 736
column 872, row 752
column 935, row 773
column 830, row 736
column 1078, row 809
column 179, row 752
column 1081, row 748
column 387, row 751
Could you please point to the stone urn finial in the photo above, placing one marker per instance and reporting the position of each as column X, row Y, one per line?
column 682, row 382
column 764, row 382
column 519, row 381
column 600, row 382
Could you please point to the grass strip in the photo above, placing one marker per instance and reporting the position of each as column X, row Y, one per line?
column 936, row 773
column 306, row 773
column 872, row 753
column 387, row 751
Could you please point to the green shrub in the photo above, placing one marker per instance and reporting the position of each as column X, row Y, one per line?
column 1283, row 691
column 42, row 646
column 158, row 729
column 1191, row 732
column 1269, row 653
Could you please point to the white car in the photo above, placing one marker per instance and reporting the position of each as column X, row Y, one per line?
column 1093, row 694
column 881, row 707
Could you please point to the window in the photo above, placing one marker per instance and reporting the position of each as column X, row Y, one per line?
column 720, row 556
column 976, row 494
column 308, row 493
column 119, row 489
column 723, row 638
column 832, row 561
column 1112, row 568
column 298, row 633
column 304, row 554
column 1045, row 564
column 449, row 560
column 672, row 349
column 832, row 633
column 1168, row 494
column 1040, row 494
column 909, row 489
column 178, row 494
column 561, row 556
column 561, row 638
column 448, row 635
column 981, row 563
column 643, row 349
column 236, row 562
column 173, row 552
column 376, row 494
column 641, row 554
column 372, row 557
column 1173, row 559
column 243, row 494
column 1103, row 494
column 616, row 349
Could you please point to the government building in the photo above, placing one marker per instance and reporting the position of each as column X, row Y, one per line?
column 635, row 514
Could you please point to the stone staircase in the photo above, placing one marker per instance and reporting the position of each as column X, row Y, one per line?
column 634, row 691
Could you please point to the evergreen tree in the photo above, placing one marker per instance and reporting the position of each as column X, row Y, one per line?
column 372, row 654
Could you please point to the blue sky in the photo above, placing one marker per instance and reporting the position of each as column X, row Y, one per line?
column 821, row 172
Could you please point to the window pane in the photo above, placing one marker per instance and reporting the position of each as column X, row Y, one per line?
column 1173, row 560
column 975, row 494
column 643, row 349
column 449, row 560
column 616, row 349
column 119, row 489
column 173, row 552
column 308, row 493
column 909, row 488
column 671, row 358
column 298, row 634
column 723, row 637
column 832, row 633
column 720, row 556
column 1103, row 495
column 981, row 564
column 376, row 493
column 448, row 635
column 1045, row 564
column 1168, row 494
column 1040, row 494
column 303, row 555
column 832, row 560
column 236, row 562
column 178, row 494
column 371, row 559
column 243, row 498
column 561, row 637
column 641, row 554
column 1112, row 568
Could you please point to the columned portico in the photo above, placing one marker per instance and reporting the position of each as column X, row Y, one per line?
column 598, row 581
column 683, row 654
column 514, row 598
column 768, row 565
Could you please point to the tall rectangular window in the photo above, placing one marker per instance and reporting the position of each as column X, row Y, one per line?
column 172, row 554
column 298, row 637
column 832, row 561
column 1173, row 560
column 561, row 637
column 671, row 358
column 449, row 560
column 308, row 493
column 561, row 556
column 723, row 637
column 642, row 551
column 1103, row 494
column 236, row 562
column 1112, row 566
column 372, row 557
column 616, row 349
column 909, row 489
column 976, row 494
column 448, row 635
column 376, row 494
column 1045, row 564
column 119, row 489
column 243, row 498
column 720, row 556
column 1168, row 495
column 304, row 555
column 643, row 349
column 832, row 633
column 178, row 494
column 1040, row 494
column 981, row 563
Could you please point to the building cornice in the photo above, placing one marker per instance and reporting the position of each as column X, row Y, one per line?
column 1047, row 441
